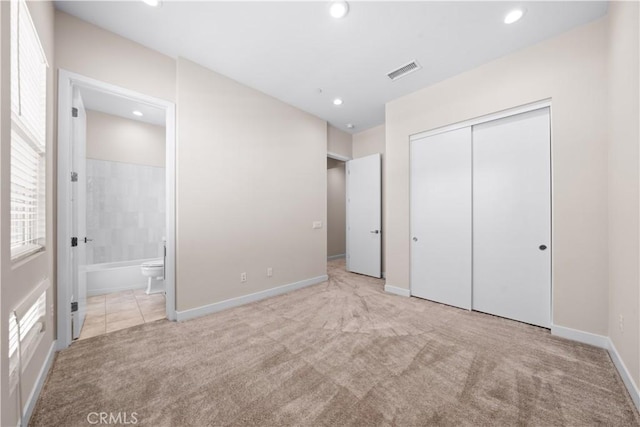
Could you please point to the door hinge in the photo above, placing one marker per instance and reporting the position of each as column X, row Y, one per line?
column 74, row 242
column 74, row 112
column 74, row 176
column 74, row 307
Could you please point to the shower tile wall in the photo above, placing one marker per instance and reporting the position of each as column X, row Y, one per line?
column 125, row 211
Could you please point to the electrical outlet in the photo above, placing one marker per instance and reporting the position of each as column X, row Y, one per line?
column 243, row 277
column 269, row 271
column 621, row 323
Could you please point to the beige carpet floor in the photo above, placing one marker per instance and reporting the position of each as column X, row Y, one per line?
column 339, row 353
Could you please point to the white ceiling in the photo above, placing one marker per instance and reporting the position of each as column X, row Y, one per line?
column 290, row 50
column 120, row 106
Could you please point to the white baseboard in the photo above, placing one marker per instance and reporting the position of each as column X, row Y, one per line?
column 37, row 388
column 397, row 291
column 632, row 387
column 329, row 258
column 606, row 343
column 580, row 336
column 246, row 299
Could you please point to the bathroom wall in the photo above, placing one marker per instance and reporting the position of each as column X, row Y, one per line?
column 118, row 139
column 125, row 189
column 125, row 211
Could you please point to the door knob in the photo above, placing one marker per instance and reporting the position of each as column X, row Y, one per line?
column 375, row 231
column 415, row 239
column 542, row 247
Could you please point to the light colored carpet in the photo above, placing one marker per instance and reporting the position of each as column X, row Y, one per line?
column 339, row 353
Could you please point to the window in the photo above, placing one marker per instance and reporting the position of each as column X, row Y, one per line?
column 28, row 134
column 31, row 328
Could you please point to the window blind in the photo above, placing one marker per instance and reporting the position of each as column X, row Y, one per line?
column 31, row 326
column 28, row 133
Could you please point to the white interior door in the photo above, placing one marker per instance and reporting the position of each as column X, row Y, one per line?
column 78, row 212
column 364, row 215
column 512, row 217
column 441, row 218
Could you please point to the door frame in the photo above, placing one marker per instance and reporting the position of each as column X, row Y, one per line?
column 66, row 81
column 544, row 103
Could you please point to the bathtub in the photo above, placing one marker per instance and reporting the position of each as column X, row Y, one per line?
column 115, row 276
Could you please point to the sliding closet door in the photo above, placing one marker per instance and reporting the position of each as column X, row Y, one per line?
column 441, row 218
column 512, row 218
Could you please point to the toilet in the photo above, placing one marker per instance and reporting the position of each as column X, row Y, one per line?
column 153, row 270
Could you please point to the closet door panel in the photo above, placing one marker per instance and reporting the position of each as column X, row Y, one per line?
column 512, row 217
column 441, row 218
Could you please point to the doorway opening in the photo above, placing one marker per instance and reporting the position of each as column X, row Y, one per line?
column 354, row 214
column 336, row 213
column 116, row 209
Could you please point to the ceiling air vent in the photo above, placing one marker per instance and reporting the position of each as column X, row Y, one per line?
column 404, row 70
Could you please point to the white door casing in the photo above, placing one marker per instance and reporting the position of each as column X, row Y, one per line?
column 79, row 211
column 512, row 217
column 364, row 215
column 441, row 218
column 65, row 292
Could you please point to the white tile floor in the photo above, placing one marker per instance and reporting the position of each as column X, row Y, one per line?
column 111, row 312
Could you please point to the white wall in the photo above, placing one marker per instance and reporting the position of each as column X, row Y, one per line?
column 368, row 142
column 338, row 142
column 336, row 208
column 251, row 181
column 19, row 279
column 624, row 183
column 117, row 139
column 571, row 70
column 91, row 51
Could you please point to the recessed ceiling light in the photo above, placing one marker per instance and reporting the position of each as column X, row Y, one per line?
column 138, row 113
column 350, row 126
column 513, row 16
column 337, row 101
column 339, row 9
column 153, row 3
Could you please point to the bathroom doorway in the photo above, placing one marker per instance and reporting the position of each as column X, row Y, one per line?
column 116, row 204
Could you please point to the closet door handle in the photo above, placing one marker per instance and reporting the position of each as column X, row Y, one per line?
column 375, row 231
column 542, row 247
column 415, row 239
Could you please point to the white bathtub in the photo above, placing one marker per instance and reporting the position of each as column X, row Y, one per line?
column 115, row 276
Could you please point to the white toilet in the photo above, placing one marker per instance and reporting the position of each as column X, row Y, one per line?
column 153, row 270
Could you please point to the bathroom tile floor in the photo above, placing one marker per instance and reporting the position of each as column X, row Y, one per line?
column 120, row 310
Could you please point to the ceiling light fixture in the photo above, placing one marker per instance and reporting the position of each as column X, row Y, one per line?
column 153, row 3
column 138, row 113
column 513, row 16
column 350, row 126
column 337, row 101
column 339, row 9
